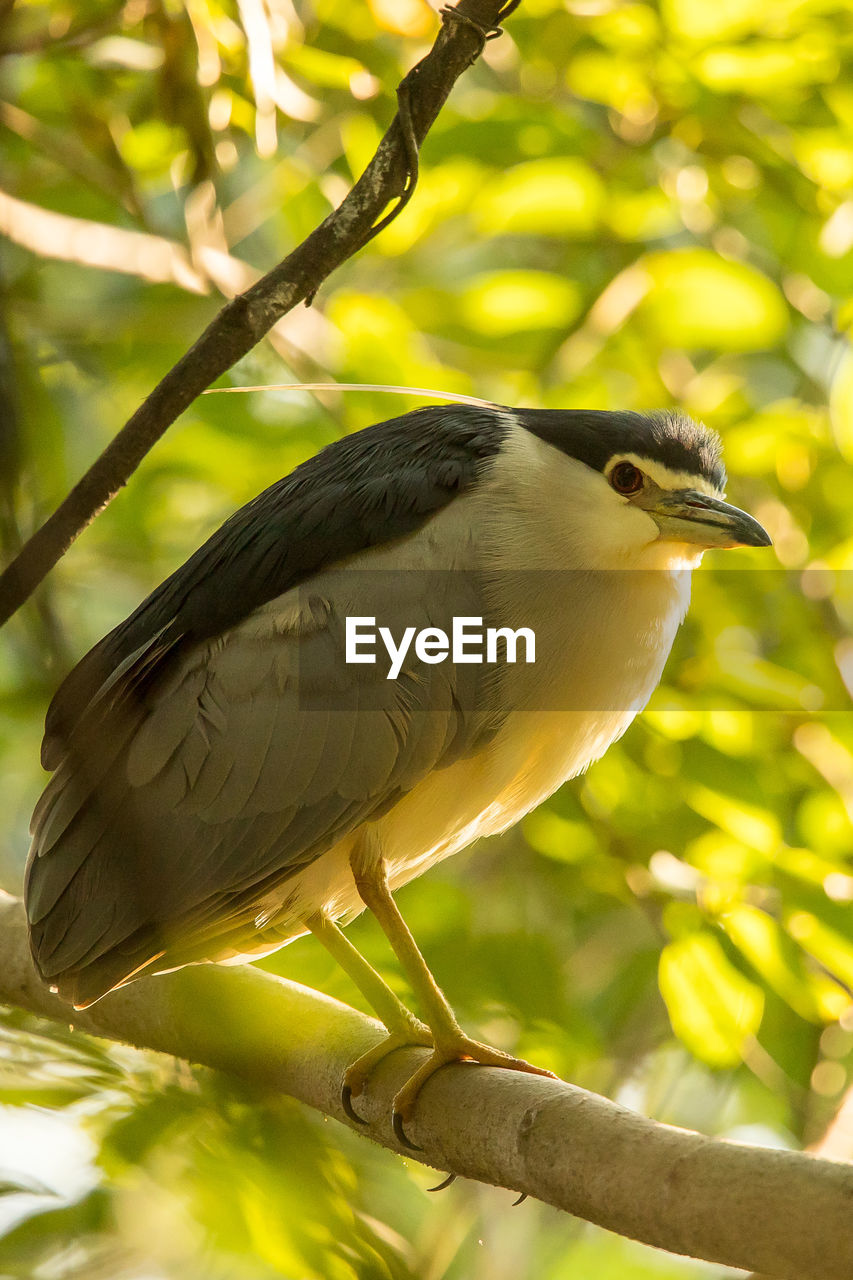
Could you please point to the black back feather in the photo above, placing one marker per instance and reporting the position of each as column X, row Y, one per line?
column 362, row 491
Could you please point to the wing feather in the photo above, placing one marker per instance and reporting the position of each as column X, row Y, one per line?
column 164, row 729
column 247, row 744
column 270, row 795
column 262, row 750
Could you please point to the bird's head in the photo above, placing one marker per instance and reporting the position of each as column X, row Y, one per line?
column 641, row 489
column 677, row 478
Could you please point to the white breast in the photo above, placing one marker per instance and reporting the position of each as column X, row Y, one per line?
column 600, row 654
column 605, row 611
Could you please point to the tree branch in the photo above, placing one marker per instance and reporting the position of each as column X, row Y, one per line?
column 781, row 1212
column 241, row 324
column 835, row 1144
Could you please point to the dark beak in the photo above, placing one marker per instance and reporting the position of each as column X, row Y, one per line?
column 689, row 516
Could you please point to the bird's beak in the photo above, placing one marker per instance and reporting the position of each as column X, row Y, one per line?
column 686, row 515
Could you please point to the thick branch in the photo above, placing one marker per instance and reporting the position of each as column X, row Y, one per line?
column 241, row 324
column 781, row 1212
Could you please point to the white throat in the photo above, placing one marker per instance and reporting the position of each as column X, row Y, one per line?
column 589, row 574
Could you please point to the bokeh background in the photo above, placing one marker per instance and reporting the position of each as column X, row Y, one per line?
column 624, row 205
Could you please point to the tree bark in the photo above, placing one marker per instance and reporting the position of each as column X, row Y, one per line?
column 242, row 323
column 785, row 1214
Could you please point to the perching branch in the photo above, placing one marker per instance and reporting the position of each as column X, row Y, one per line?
column 784, row 1213
column 241, row 324
column 836, row 1143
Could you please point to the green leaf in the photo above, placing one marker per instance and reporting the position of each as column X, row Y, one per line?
column 768, row 68
column 561, row 197
column 724, row 19
column 698, row 299
column 754, row 827
column 761, row 940
column 503, row 302
column 714, row 1009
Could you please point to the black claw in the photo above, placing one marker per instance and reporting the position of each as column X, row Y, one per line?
column 346, row 1103
column 520, row 1200
column 451, row 1177
column 400, row 1133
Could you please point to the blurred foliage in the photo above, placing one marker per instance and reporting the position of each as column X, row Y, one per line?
column 622, row 205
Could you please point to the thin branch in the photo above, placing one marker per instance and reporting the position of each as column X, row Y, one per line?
column 96, row 244
column 158, row 260
column 785, row 1213
column 247, row 318
column 67, row 151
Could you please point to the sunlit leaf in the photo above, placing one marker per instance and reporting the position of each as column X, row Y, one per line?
column 769, row 68
column 151, row 146
column 726, row 19
column 557, row 837
column 442, row 193
column 641, row 215
column 756, row 828
column 629, row 26
column 763, row 943
column 726, row 860
column 542, row 197
column 321, row 67
column 502, row 302
column 713, row 1008
column 825, row 158
column 404, row 17
column 827, row 945
column 618, row 82
column 841, row 404
column 701, row 300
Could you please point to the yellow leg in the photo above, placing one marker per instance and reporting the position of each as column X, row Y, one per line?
column 450, row 1043
column 401, row 1024
column 385, row 1004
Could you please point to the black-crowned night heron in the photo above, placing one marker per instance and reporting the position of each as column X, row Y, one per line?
column 226, row 779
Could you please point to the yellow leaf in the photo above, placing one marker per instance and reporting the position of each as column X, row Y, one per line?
column 724, row 19
column 756, row 828
column 403, row 17
column 699, row 299
column 713, row 1008
column 504, row 302
column 557, row 196
column 760, row 939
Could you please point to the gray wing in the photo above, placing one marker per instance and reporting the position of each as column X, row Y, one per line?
column 365, row 490
column 163, row 829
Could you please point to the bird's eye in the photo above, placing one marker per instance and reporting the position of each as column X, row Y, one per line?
column 626, row 478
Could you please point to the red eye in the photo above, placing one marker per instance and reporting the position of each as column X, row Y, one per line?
column 626, row 478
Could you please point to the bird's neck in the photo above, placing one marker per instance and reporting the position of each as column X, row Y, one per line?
column 604, row 612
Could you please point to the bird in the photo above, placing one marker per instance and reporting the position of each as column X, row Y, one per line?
column 230, row 773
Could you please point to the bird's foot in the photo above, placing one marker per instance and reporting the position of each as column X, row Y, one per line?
column 358, row 1073
column 456, row 1047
